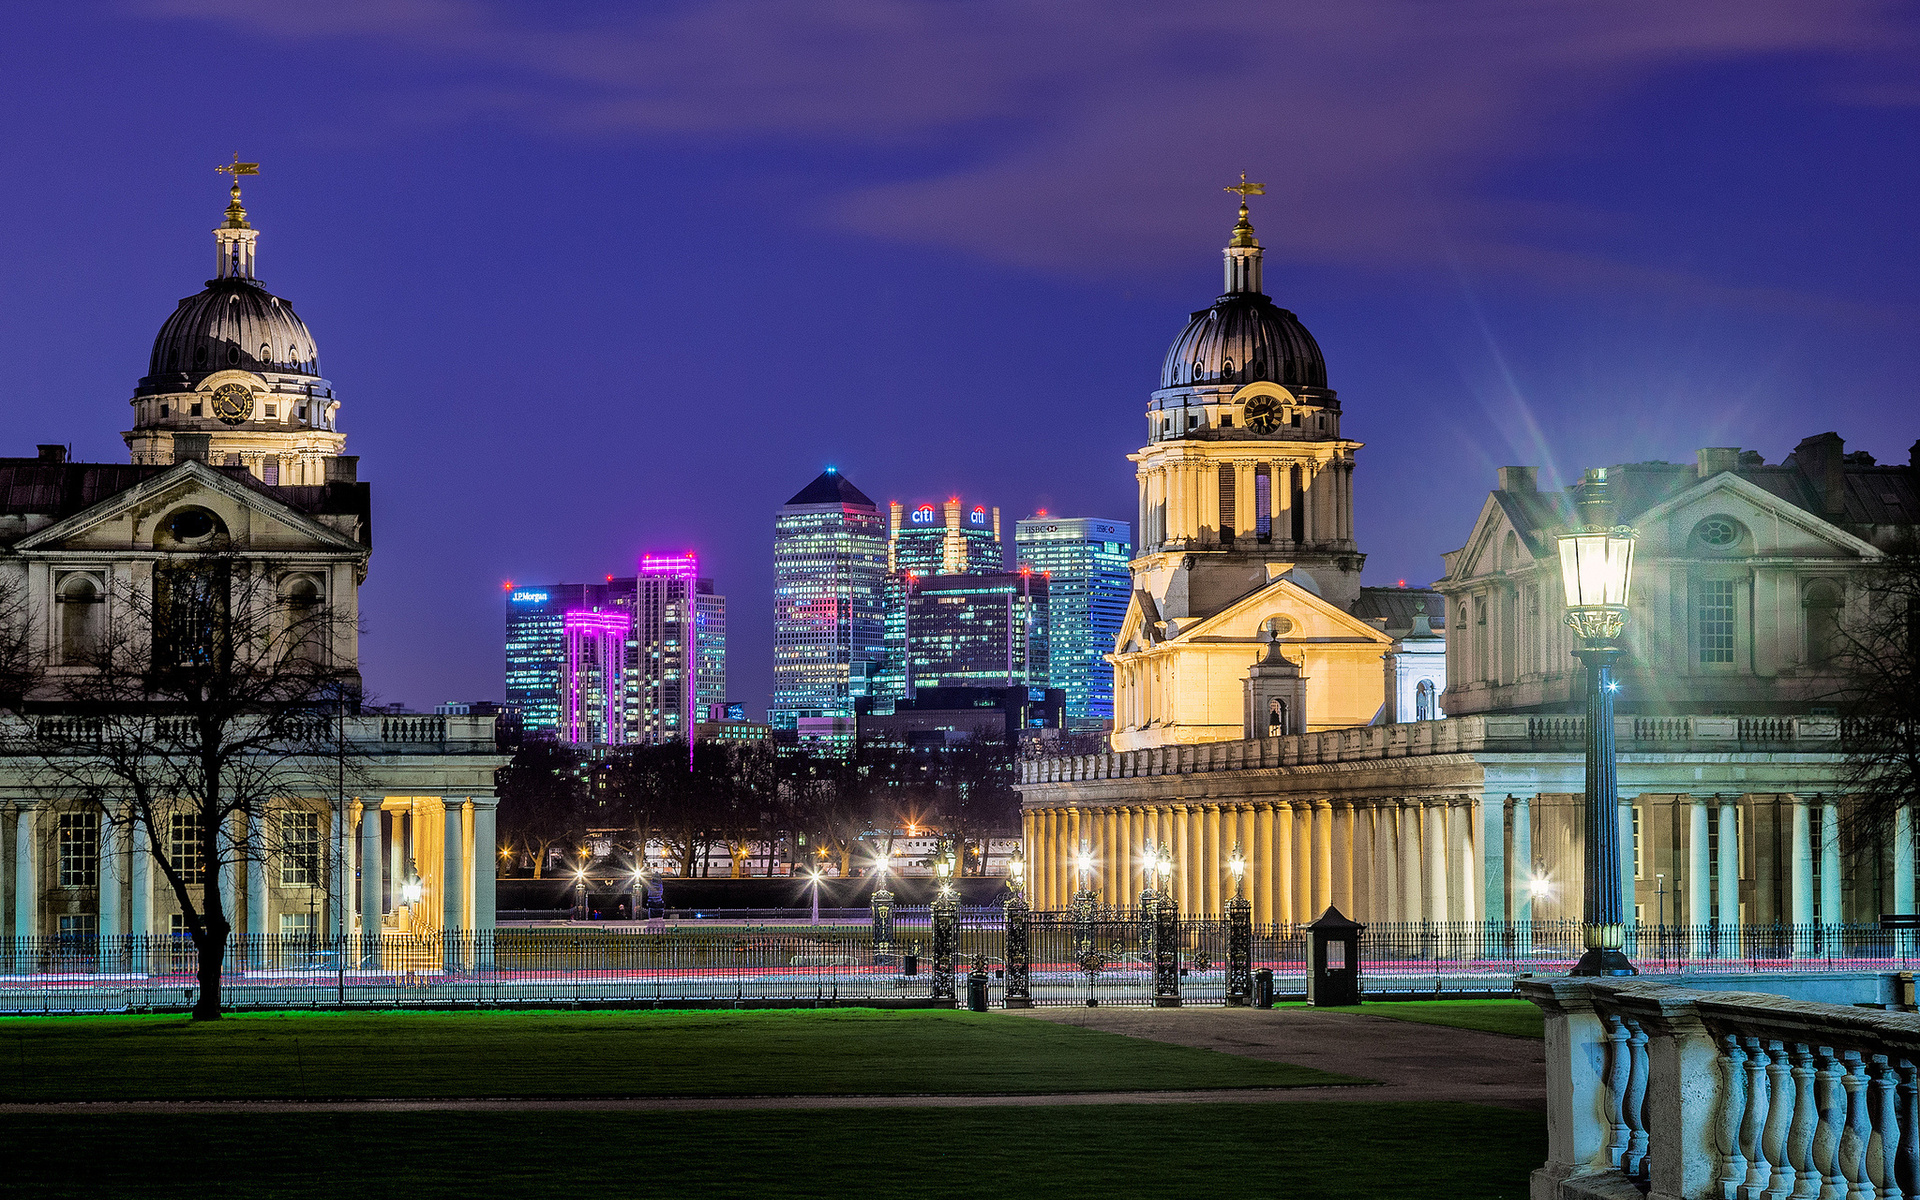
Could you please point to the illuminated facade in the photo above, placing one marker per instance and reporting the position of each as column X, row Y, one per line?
column 1088, row 584
column 665, row 626
column 829, row 566
column 594, row 681
column 927, row 539
column 536, row 649
column 987, row 630
column 709, row 647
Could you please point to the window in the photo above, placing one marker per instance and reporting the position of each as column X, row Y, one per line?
column 163, row 412
column 82, row 613
column 191, row 614
column 183, row 847
column 272, row 410
column 1193, row 421
column 270, row 471
column 195, row 411
column 79, row 927
column 79, row 849
column 1423, row 700
column 1718, row 533
column 1822, row 605
column 296, row 925
column 1226, row 420
column 299, row 848
column 1715, row 610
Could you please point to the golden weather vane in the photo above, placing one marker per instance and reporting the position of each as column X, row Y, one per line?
column 1243, row 187
column 236, row 168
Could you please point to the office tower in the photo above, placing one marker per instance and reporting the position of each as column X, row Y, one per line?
column 710, row 647
column 924, row 540
column 829, row 565
column 536, row 647
column 593, row 682
column 1088, row 586
column 664, row 611
column 983, row 630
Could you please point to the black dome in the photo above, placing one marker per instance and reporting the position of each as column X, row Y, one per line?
column 234, row 323
column 1244, row 338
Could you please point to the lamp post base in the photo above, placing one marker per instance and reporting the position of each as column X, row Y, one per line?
column 1600, row 961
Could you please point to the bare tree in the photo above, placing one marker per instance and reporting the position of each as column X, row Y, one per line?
column 1874, row 642
column 543, row 801
column 194, row 710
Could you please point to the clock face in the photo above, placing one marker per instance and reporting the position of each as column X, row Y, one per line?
column 233, row 402
column 1262, row 414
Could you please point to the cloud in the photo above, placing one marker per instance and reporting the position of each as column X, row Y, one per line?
column 1074, row 132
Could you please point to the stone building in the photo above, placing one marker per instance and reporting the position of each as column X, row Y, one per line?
column 1728, row 757
column 236, row 457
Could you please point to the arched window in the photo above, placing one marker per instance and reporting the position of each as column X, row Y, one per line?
column 1510, row 551
column 1276, row 717
column 1423, row 700
column 1822, row 604
column 306, row 619
column 82, row 619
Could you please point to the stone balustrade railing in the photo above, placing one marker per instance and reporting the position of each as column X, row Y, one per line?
column 1453, row 735
column 1685, row 1094
column 366, row 733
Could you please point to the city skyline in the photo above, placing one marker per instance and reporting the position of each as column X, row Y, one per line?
column 1602, row 237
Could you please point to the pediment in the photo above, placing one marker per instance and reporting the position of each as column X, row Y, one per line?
column 256, row 521
column 1312, row 618
column 1775, row 526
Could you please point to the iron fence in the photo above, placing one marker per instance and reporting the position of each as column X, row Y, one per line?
column 1098, row 954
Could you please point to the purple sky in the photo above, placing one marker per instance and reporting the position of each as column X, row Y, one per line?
column 626, row 279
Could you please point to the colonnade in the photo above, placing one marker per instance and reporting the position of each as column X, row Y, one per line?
column 452, row 843
column 1186, row 499
column 1386, row 859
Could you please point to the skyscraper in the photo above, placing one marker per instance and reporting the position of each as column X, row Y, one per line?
column 924, row 540
column 829, row 564
column 1085, row 561
column 593, row 680
column 665, row 626
column 982, row 630
column 710, row 648
column 537, row 651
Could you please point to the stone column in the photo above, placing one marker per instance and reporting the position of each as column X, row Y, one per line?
column 1830, row 905
column 1208, row 875
column 1433, row 837
column 1413, row 906
column 1729, row 865
column 140, row 883
column 1800, row 856
column 1243, row 500
column 1303, row 863
column 1280, row 500
column 371, row 867
column 1522, row 870
column 1360, row 834
column 1903, row 860
column 1129, row 857
column 1386, row 864
column 113, row 860
column 1343, row 857
column 1322, row 856
column 1307, row 504
column 1182, row 883
column 1629, row 885
column 1491, row 856
column 1280, row 886
column 1209, row 497
column 254, row 862
column 1461, row 880
column 484, row 870
column 454, row 873
column 26, row 870
column 1699, row 878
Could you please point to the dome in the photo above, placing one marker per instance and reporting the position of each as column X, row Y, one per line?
column 1244, row 338
column 234, row 323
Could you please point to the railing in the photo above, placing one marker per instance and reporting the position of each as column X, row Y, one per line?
column 1690, row 1094
column 1453, row 735
column 75, row 734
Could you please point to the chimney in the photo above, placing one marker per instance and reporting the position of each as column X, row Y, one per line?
column 191, row 446
column 1913, row 457
column 1715, row 459
column 341, row 468
column 1821, row 460
column 52, row 454
column 1519, row 479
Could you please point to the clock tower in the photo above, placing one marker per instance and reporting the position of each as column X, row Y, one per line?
column 1246, row 525
column 234, row 379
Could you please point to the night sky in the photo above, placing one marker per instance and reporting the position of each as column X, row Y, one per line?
column 626, row 278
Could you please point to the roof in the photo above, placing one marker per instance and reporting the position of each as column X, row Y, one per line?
column 1244, row 338
column 1398, row 605
column 36, row 486
column 831, row 487
column 234, row 323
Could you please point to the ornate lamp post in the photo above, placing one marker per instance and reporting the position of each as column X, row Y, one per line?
column 1239, row 934
column 882, row 901
column 1166, row 936
column 1083, row 901
column 1596, row 568
column 1019, row 992
column 946, row 925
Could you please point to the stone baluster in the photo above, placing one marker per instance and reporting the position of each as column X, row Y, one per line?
column 1907, row 1163
column 1780, row 1109
column 1853, row 1135
column 1635, row 1107
column 1806, row 1115
column 1753, row 1128
column 1833, row 1117
column 1618, row 1071
column 1884, row 1146
column 1733, row 1164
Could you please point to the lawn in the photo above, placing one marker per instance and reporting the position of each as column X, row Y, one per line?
column 1515, row 1018
column 1327, row 1150
column 316, row 1056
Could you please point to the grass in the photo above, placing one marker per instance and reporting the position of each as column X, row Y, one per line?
column 1515, row 1018
column 1331, row 1151
column 315, row 1056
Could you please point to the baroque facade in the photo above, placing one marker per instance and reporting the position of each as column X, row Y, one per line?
column 1421, row 804
column 236, row 462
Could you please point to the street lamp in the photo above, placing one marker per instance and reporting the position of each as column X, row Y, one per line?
column 1596, row 569
column 1017, row 872
column 814, row 876
column 1237, row 865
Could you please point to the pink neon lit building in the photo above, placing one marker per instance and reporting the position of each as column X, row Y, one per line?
column 666, row 607
column 594, row 687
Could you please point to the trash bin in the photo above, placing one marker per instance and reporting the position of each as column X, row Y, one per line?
column 1263, row 988
column 909, row 964
column 977, row 993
